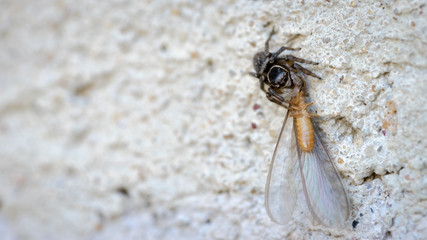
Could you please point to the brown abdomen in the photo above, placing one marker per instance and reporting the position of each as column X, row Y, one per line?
column 305, row 133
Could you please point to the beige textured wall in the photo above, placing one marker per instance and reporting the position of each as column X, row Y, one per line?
column 133, row 119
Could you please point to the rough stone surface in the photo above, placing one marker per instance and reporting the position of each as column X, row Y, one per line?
column 136, row 120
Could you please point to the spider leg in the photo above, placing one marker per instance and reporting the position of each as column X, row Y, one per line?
column 297, row 80
column 267, row 47
column 272, row 99
column 305, row 71
column 253, row 74
column 262, row 85
column 300, row 60
column 261, row 78
column 273, row 96
column 278, row 52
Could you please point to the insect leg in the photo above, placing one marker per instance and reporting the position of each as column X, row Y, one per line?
column 311, row 114
column 305, row 71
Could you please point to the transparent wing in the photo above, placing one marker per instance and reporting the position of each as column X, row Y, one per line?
column 323, row 189
column 280, row 190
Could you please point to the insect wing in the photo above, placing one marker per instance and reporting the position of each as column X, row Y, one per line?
column 281, row 192
column 323, row 189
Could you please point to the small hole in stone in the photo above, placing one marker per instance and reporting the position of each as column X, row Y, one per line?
column 354, row 224
column 123, row 191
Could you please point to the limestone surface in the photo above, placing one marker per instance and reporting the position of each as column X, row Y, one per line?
column 139, row 120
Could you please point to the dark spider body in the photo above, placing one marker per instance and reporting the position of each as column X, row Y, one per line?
column 279, row 73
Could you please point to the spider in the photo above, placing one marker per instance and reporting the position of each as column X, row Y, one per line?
column 279, row 73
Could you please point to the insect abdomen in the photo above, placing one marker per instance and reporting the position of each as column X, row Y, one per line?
column 305, row 133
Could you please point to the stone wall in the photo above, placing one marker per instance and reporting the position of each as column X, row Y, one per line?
column 138, row 120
